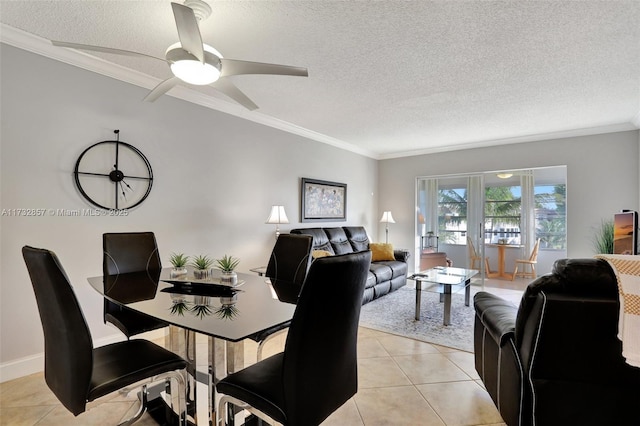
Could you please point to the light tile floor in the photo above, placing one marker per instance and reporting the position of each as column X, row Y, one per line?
column 401, row 382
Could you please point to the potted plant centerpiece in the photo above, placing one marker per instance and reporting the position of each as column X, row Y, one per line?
column 179, row 262
column 202, row 264
column 227, row 264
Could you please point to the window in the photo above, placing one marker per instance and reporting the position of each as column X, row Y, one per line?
column 551, row 216
column 445, row 204
column 502, row 207
column 452, row 215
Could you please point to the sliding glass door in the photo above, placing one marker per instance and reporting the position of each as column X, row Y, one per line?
column 449, row 212
column 495, row 215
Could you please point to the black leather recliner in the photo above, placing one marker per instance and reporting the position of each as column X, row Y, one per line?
column 556, row 360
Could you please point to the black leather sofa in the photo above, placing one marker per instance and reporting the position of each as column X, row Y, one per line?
column 384, row 276
column 556, row 360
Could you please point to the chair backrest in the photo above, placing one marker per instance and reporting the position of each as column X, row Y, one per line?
column 320, row 367
column 290, row 259
column 68, row 348
column 534, row 252
column 126, row 252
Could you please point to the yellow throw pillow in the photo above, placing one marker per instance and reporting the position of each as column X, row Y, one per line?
column 381, row 251
column 320, row 253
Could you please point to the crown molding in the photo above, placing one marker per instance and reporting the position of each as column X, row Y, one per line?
column 613, row 128
column 41, row 46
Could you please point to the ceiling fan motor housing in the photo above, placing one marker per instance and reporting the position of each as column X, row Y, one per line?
column 201, row 9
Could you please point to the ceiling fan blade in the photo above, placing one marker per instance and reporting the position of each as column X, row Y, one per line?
column 225, row 86
column 188, row 30
column 161, row 89
column 237, row 67
column 102, row 49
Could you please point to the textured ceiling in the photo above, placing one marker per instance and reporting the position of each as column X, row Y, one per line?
column 392, row 78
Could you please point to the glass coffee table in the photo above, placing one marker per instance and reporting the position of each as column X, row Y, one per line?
column 443, row 280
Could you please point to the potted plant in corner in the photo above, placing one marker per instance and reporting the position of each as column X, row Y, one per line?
column 202, row 264
column 179, row 262
column 603, row 238
column 227, row 264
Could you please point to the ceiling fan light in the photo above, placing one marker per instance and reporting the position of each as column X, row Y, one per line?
column 195, row 72
column 504, row 175
column 188, row 69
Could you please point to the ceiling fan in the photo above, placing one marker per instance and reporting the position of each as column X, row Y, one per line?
column 193, row 62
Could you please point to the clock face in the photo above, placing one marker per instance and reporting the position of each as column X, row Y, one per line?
column 113, row 175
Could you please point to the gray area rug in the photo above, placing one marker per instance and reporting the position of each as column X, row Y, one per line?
column 394, row 313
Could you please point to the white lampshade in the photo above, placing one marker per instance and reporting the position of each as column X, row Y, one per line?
column 277, row 215
column 387, row 218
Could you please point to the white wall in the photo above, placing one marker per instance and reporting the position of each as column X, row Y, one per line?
column 215, row 179
column 602, row 179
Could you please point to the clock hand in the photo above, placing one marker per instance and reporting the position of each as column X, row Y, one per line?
column 127, row 185
column 124, row 195
column 93, row 174
column 117, row 132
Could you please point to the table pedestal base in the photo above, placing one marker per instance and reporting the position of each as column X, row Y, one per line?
column 445, row 298
column 204, row 371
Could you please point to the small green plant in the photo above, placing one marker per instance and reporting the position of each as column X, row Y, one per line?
column 227, row 263
column 179, row 307
column 227, row 312
column 202, row 262
column 179, row 260
column 603, row 238
column 201, row 311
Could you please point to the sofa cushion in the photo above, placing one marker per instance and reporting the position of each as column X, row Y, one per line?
column 358, row 237
column 398, row 268
column 381, row 271
column 320, row 239
column 381, row 251
column 338, row 240
column 371, row 280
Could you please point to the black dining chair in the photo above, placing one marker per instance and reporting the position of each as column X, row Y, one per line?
column 128, row 252
column 317, row 371
column 287, row 269
column 77, row 372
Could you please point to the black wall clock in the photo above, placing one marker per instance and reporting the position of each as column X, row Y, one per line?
column 113, row 175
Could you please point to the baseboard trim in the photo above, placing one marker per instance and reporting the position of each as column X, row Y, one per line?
column 35, row 363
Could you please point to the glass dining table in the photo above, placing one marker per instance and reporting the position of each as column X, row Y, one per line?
column 226, row 315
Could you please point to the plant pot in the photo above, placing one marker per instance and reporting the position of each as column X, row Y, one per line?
column 229, row 278
column 201, row 274
column 178, row 272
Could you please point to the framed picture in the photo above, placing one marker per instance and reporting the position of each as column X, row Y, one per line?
column 323, row 201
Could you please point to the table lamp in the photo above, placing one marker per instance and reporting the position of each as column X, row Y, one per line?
column 387, row 218
column 277, row 216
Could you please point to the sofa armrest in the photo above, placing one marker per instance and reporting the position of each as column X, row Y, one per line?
column 402, row 255
column 496, row 359
column 497, row 315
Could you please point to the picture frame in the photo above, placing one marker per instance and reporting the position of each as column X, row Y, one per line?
column 323, row 201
